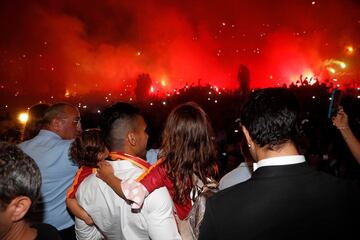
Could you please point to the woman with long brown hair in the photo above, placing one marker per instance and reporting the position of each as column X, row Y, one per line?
column 187, row 154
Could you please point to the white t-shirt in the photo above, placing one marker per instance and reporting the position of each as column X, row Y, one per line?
column 113, row 216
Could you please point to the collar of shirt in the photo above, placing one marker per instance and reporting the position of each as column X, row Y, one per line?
column 278, row 161
column 45, row 132
column 134, row 160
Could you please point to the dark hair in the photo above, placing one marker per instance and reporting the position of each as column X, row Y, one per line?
column 187, row 148
column 19, row 175
column 270, row 116
column 35, row 121
column 116, row 121
column 86, row 147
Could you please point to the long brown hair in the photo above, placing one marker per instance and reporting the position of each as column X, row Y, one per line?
column 188, row 148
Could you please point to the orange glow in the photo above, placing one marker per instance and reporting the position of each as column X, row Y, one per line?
column 67, row 93
column 349, row 50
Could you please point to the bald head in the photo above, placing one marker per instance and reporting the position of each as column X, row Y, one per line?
column 63, row 119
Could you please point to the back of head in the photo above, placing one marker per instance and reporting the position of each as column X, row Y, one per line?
column 116, row 121
column 19, row 175
column 57, row 110
column 270, row 116
column 86, row 148
column 187, row 146
column 63, row 119
column 35, row 120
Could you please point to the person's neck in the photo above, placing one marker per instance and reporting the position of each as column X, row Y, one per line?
column 20, row 231
column 287, row 149
column 51, row 129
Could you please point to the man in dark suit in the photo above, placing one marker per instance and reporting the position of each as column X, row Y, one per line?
column 285, row 198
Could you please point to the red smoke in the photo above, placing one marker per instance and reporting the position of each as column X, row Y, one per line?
column 102, row 45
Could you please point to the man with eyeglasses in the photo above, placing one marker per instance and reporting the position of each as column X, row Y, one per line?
column 50, row 150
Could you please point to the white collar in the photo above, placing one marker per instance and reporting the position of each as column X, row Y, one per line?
column 278, row 161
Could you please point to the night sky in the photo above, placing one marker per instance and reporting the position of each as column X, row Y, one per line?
column 82, row 46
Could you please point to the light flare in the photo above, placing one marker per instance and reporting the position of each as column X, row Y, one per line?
column 23, row 117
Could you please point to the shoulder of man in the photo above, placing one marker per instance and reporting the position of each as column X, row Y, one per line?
column 158, row 200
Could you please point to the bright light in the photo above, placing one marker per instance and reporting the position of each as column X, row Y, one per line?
column 23, row 117
column 152, row 89
column 330, row 65
column 331, row 70
column 164, row 80
column 349, row 50
column 342, row 65
column 138, row 53
column 67, row 93
column 306, row 74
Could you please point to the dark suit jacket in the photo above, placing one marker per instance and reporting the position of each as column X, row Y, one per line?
column 284, row 202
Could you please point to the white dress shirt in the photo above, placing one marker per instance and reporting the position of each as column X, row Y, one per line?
column 113, row 216
column 278, row 161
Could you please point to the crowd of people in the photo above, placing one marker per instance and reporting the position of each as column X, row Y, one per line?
column 276, row 156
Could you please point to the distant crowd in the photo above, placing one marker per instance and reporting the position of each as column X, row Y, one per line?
column 268, row 163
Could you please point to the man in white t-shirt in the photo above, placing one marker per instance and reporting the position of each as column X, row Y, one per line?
column 124, row 131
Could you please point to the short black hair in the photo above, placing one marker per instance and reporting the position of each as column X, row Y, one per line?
column 270, row 116
column 116, row 121
column 19, row 175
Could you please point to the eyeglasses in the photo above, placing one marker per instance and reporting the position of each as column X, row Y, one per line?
column 76, row 121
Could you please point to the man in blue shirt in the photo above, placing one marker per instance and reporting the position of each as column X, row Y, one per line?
column 50, row 150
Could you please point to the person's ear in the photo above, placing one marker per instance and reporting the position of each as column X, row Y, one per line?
column 19, row 206
column 56, row 123
column 131, row 138
column 249, row 141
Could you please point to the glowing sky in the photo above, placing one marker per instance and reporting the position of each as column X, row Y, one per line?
column 50, row 46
